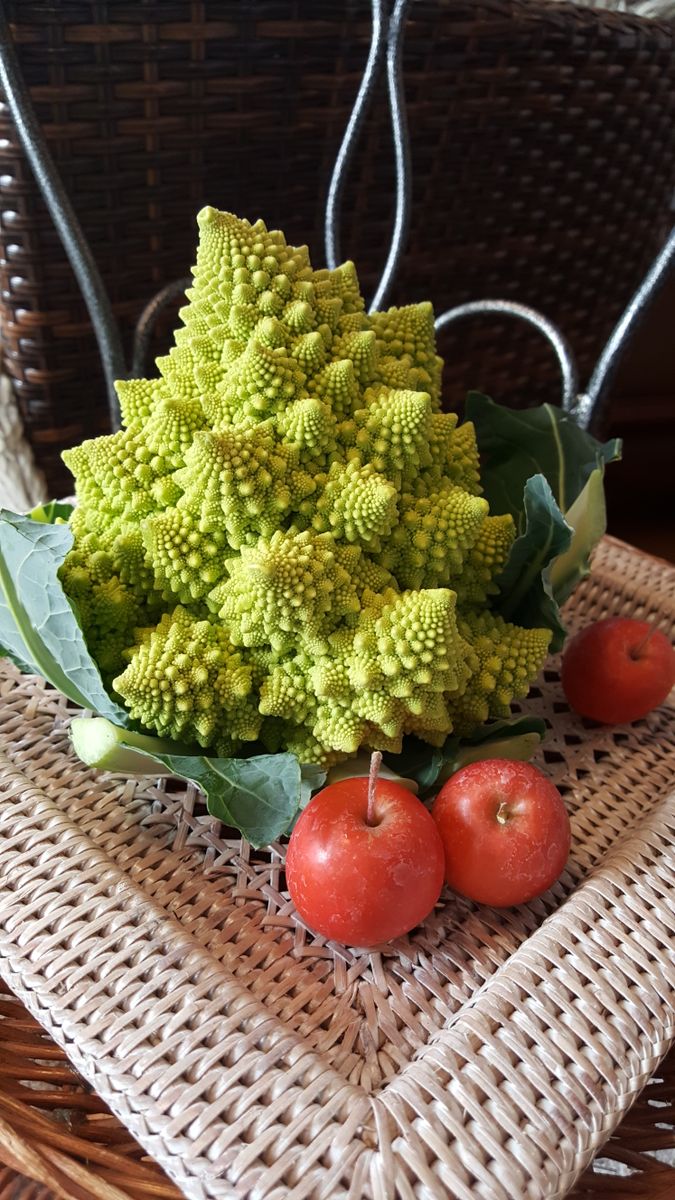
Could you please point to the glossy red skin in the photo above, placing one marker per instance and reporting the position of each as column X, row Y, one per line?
column 610, row 674
column 364, row 884
column 495, row 863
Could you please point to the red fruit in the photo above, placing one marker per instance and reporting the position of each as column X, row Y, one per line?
column 358, row 883
column 618, row 670
column 505, row 832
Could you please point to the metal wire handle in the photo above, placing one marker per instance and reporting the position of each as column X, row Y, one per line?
column 583, row 407
column 145, row 324
column 563, row 352
column 588, row 403
column 64, row 217
column 386, row 41
column 354, row 124
column 401, row 138
column 387, row 31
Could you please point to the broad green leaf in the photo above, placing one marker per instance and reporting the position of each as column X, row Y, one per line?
column 558, row 526
column 526, row 595
column 38, row 627
column 429, row 766
column 259, row 796
column 515, row 749
column 515, row 738
column 588, row 519
column 536, row 441
column 498, row 730
column 417, row 761
column 312, row 778
column 55, row 511
column 359, row 768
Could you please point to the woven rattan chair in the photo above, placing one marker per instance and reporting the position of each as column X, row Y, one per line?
column 543, row 167
column 533, row 180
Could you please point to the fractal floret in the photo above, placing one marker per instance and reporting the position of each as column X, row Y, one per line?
column 286, row 544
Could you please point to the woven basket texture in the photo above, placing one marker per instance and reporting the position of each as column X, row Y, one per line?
column 543, row 166
column 487, row 1056
column 81, row 1152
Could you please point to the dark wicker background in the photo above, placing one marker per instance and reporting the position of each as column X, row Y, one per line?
column 543, row 153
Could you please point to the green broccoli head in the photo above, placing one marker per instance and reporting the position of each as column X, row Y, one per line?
column 286, row 542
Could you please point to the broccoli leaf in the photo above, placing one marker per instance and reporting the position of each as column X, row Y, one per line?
column 419, row 761
column 493, row 731
column 525, row 584
column 38, row 628
column 536, row 441
column 312, row 777
column 514, row 738
column 548, row 473
column 259, row 796
column 51, row 513
column 587, row 517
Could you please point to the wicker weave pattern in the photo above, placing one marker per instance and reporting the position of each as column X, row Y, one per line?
column 543, row 163
column 84, row 1153
column 487, row 1055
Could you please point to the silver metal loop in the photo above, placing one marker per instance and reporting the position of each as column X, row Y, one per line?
column 400, row 135
column 146, row 323
column 390, row 31
column 347, row 146
column 64, row 217
column 522, row 311
column 588, row 405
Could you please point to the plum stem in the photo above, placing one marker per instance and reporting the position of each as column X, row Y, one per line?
column 636, row 651
column 375, row 764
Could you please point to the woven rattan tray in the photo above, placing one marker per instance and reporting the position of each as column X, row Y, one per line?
column 488, row 1056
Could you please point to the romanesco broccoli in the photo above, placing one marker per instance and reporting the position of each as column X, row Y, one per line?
column 286, row 542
